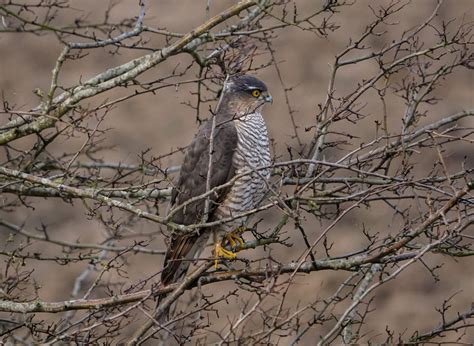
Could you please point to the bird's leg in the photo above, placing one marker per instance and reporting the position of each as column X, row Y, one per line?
column 234, row 239
column 220, row 251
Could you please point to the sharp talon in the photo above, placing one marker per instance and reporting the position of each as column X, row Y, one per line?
column 233, row 238
column 221, row 252
column 240, row 241
column 231, row 241
column 227, row 254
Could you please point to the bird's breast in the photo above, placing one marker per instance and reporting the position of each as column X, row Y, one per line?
column 251, row 160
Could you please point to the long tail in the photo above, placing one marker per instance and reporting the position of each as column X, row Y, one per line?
column 178, row 258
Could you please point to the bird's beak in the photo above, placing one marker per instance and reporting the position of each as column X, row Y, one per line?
column 268, row 98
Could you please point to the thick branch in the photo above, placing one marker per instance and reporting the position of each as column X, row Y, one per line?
column 348, row 264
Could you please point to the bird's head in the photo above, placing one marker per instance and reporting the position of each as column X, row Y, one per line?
column 246, row 93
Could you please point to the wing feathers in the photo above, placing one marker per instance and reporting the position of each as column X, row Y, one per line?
column 192, row 183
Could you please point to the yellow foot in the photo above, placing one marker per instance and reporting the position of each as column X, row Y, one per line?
column 234, row 239
column 220, row 251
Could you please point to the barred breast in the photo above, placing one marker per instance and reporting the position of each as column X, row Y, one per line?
column 252, row 152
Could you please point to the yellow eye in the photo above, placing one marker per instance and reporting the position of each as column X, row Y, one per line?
column 256, row 93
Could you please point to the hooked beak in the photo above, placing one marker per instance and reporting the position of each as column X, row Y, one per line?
column 268, row 98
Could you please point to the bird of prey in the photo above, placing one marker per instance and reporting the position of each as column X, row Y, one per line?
column 239, row 149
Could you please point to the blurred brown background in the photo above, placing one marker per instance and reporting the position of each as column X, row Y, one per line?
column 163, row 123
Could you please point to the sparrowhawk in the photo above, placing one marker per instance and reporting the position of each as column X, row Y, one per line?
column 240, row 157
